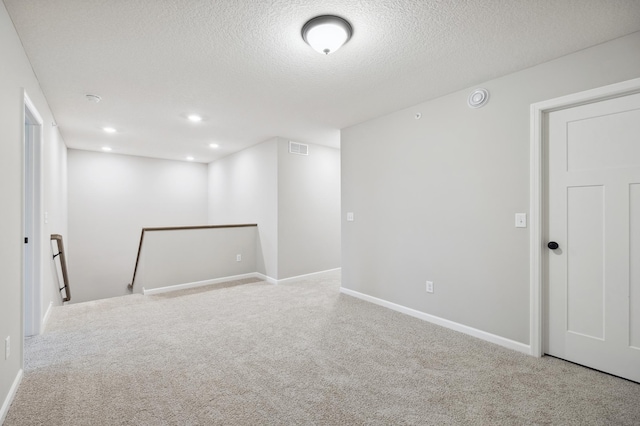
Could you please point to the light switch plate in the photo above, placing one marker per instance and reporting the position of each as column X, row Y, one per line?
column 521, row 220
column 429, row 287
column 350, row 217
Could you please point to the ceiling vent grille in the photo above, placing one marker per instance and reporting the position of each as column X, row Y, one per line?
column 298, row 148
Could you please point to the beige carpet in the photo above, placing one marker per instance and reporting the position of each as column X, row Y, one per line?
column 293, row 354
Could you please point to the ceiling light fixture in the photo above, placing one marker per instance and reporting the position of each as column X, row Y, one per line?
column 195, row 118
column 109, row 129
column 326, row 33
column 214, row 145
column 106, row 149
column 190, row 158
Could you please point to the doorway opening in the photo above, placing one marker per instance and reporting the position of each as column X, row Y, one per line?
column 542, row 231
column 32, row 205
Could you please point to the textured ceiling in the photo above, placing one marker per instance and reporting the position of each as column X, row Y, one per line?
column 243, row 65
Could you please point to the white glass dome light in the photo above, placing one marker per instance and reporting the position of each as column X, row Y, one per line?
column 326, row 33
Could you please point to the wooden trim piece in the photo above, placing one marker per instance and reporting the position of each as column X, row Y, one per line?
column 179, row 228
column 176, row 228
column 63, row 266
column 135, row 269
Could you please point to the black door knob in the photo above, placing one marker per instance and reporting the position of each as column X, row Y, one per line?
column 553, row 245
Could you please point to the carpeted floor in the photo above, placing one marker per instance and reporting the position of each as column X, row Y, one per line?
column 293, row 354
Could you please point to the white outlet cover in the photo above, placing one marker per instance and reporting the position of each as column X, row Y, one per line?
column 350, row 217
column 521, row 220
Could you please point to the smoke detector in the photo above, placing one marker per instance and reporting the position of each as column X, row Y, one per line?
column 478, row 98
column 93, row 98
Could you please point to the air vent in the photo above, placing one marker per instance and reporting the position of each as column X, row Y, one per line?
column 298, row 148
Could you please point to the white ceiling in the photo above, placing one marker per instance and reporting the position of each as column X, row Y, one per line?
column 243, row 65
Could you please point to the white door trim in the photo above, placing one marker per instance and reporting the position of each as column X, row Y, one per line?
column 537, row 173
column 33, row 287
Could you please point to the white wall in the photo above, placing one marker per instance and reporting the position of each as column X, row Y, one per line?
column 308, row 210
column 295, row 200
column 212, row 256
column 111, row 198
column 435, row 198
column 243, row 189
column 15, row 75
column 55, row 207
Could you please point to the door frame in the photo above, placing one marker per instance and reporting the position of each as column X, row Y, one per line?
column 537, row 195
column 32, row 252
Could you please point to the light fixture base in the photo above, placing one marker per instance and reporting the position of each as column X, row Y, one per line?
column 327, row 33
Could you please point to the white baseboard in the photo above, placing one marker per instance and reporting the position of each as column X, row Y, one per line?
column 286, row 280
column 492, row 338
column 197, row 284
column 266, row 278
column 45, row 319
column 258, row 275
column 9, row 399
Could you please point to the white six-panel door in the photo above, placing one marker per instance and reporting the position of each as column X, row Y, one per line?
column 592, row 292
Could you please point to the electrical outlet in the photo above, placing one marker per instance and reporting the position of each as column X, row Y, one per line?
column 7, row 347
column 238, row 258
column 429, row 286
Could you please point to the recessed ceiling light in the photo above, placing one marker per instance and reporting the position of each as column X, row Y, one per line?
column 106, row 148
column 109, row 129
column 326, row 33
column 194, row 117
column 214, row 145
column 93, row 98
column 190, row 158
